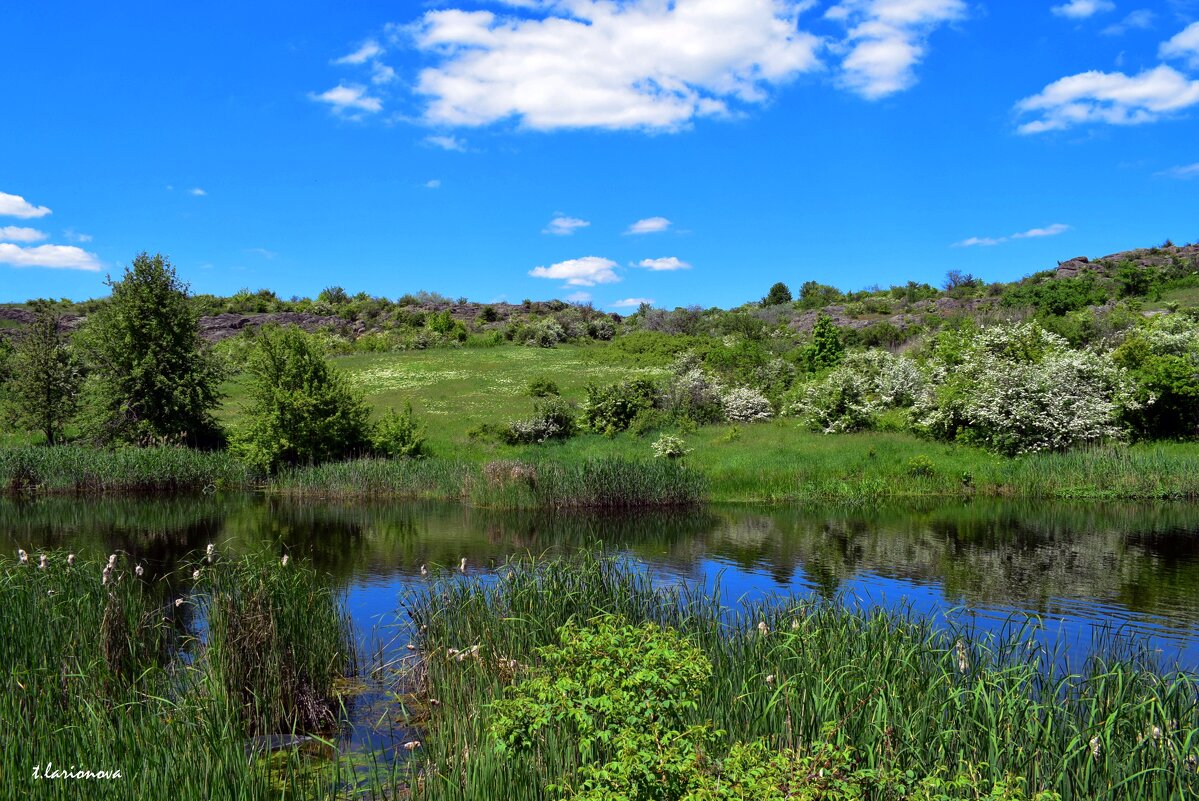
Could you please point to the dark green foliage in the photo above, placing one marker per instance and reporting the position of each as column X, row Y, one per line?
column 814, row 295
column 1057, row 296
column 488, row 314
column 881, row 335
column 543, row 387
column 399, row 436
column 611, row 409
column 45, row 377
column 302, row 410
column 1171, row 381
column 1135, row 280
column 152, row 379
column 779, row 294
column 334, row 296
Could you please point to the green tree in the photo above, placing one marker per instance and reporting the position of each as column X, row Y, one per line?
column 43, row 387
column 779, row 294
column 302, row 411
column 826, row 348
column 153, row 380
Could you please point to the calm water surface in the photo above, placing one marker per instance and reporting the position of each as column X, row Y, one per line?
column 1078, row 568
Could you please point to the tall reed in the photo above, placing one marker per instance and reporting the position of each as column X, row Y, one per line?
column 908, row 697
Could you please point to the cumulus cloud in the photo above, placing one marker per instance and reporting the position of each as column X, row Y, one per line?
column 197, row 192
column 650, row 225
column 433, row 184
column 14, row 233
column 1108, row 97
column 370, row 49
column 17, row 206
column 1185, row 171
column 452, row 143
column 886, row 39
column 59, row 257
column 587, row 271
column 1183, row 46
column 348, row 99
column 381, row 74
column 631, row 303
column 564, row 226
column 1081, row 9
column 666, row 264
column 1031, row 233
column 644, row 64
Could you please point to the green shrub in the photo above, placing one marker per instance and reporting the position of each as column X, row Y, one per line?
column 302, row 410
column 552, row 419
column 669, row 446
column 611, row 409
column 399, row 436
column 543, row 387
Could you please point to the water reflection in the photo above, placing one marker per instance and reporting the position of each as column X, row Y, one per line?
column 1076, row 564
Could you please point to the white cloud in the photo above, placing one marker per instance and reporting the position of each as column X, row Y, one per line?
column 980, row 241
column 370, row 49
column 1108, row 97
column 1184, row 46
column 886, row 39
column 665, row 264
column 631, row 303
column 433, row 184
column 14, row 233
column 17, row 206
column 381, row 74
column 452, row 143
column 1031, row 233
column 644, row 64
column 564, row 226
column 1036, row 233
column 60, row 257
column 587, row 271
column 197, row 192
column 1185, row 171
column 579, row 297
column 650, row 225
column 72, row 235
column 1140, row 20
column 349, row 98
column 263, row 252
column 1081, row 9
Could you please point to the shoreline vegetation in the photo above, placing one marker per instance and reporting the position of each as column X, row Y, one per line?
column 577, row 677
column 810, row 468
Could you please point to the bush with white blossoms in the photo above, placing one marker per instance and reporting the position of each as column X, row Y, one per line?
column 669, row 446
column 745, row 405
column 1019, row 389
column 693, row 394
column 851, row 397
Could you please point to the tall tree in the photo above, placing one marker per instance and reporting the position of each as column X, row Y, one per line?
column 44, row 377
column 779, row 294
column 153, row 380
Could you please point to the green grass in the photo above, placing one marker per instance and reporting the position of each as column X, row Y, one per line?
column 104, row 670
column 910, row 701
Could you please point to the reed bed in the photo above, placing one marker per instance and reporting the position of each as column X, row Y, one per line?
column 906, row 706
column 80, row 470
column 408, row 479
column 105, row 670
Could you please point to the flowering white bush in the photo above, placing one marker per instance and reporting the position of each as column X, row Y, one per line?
column 669, row 446
column 745, row 405
column 851, row 397
column 1019, row 389
column 693, row 394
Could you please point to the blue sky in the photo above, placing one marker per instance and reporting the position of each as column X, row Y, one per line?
column 686, row 152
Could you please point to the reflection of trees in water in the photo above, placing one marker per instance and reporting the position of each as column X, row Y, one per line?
column 1145, row 558
column 986, row 553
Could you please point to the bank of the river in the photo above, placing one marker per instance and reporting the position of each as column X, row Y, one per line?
column 765, row 463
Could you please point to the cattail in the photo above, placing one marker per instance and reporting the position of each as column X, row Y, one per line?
column 22, row 557
column 284, row 560
column 412, row 745
column 208, row 552
column 42, row 562
column 410, row 647
column 462, row 565
column 137, row 571
column 178, row 602
column 763, row 629
column 196, row 574
column 424, row 570
column 112, row 560
column 770, row 679
column 106, row 575
column 963, row 656
column 795, row 624
column 1096, row 747
column 70, row 559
